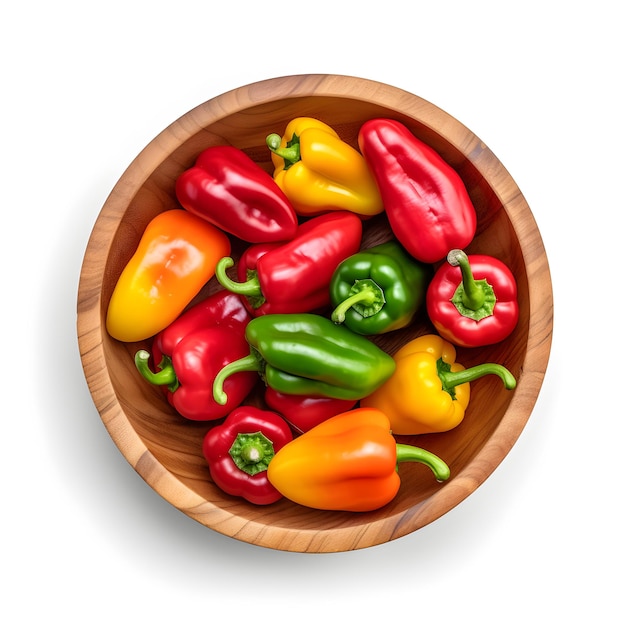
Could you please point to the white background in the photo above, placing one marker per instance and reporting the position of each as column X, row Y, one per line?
column 86, row 87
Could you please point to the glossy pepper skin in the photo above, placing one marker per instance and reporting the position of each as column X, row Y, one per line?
column 293, row 276
column 429, row 209
column 305, row 412
column 229, row 190
column 193, row 349
column 239, row 450
column 175, row 258
column 347, row 463
column 307, row 354
column 429, row 391
column 472, row 300
column 319, row 172
column 378, row 290
column 221, row 308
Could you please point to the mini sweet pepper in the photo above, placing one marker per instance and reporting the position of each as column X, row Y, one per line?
column 190, row 352
column 379, row 289
column 347, row 463
column 472, row 300
column 233, row 192
column 239, row 451
column 175, row 258
column 319, row 172
column 429, row 390
column 307, row 354
column 293, row 276
column 429, row 209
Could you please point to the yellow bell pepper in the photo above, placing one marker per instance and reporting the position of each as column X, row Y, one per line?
column 429, row 391
column 176, row 256
column 319, row 172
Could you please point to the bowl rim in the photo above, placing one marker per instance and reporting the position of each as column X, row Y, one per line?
column 133, row 448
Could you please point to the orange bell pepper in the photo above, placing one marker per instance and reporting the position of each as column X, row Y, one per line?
column 346, row 463
column 175, row 258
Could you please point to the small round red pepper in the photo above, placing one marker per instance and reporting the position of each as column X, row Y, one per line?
column 239, row 451
column 472, row 300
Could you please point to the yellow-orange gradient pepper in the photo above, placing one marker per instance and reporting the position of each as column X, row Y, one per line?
column 175, row 258
column 347, row 463
column 429, row 391
column 319, row 172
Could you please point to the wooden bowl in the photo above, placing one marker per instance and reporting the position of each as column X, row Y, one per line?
column 165, row 449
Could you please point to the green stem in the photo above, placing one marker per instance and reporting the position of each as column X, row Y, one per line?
column 251, row 363
column 473, row 295
column 366, row 297
column 166, row 376
column 450, row 380
column 251, row 287
column 438, row 467
column 252, row 452
column 290, row 153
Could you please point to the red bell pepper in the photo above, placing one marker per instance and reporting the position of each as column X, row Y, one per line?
column 233, row 192
column 472, row 300
column 305, row 412
column 239, row 450
column 222, row 308
column 428, row 207
column 193, row 349
column 293, row 276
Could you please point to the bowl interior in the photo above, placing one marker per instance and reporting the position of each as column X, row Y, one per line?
column 165, row 449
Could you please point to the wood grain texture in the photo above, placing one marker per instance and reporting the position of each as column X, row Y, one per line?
column 165, row 449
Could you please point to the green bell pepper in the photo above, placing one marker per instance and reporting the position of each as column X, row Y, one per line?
column 308, row 354
column 379, row 289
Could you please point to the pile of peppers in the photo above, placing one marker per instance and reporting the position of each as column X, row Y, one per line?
column 280, row 361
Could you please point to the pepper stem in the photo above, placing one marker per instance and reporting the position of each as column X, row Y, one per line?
column 250, row 288
column 366, row 297
column 250, row 363
column 473, row 298
column 450, row 379
column 252, row 452
column 166, row 376
column 290, row 153
column 438, row 467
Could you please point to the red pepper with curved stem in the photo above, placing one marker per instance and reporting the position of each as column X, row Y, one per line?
column 193, row 349
column 233, row 192
column 293, row 277
column 426, row 202
column 472, row 300
column 239, row 450
column 305, row 412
